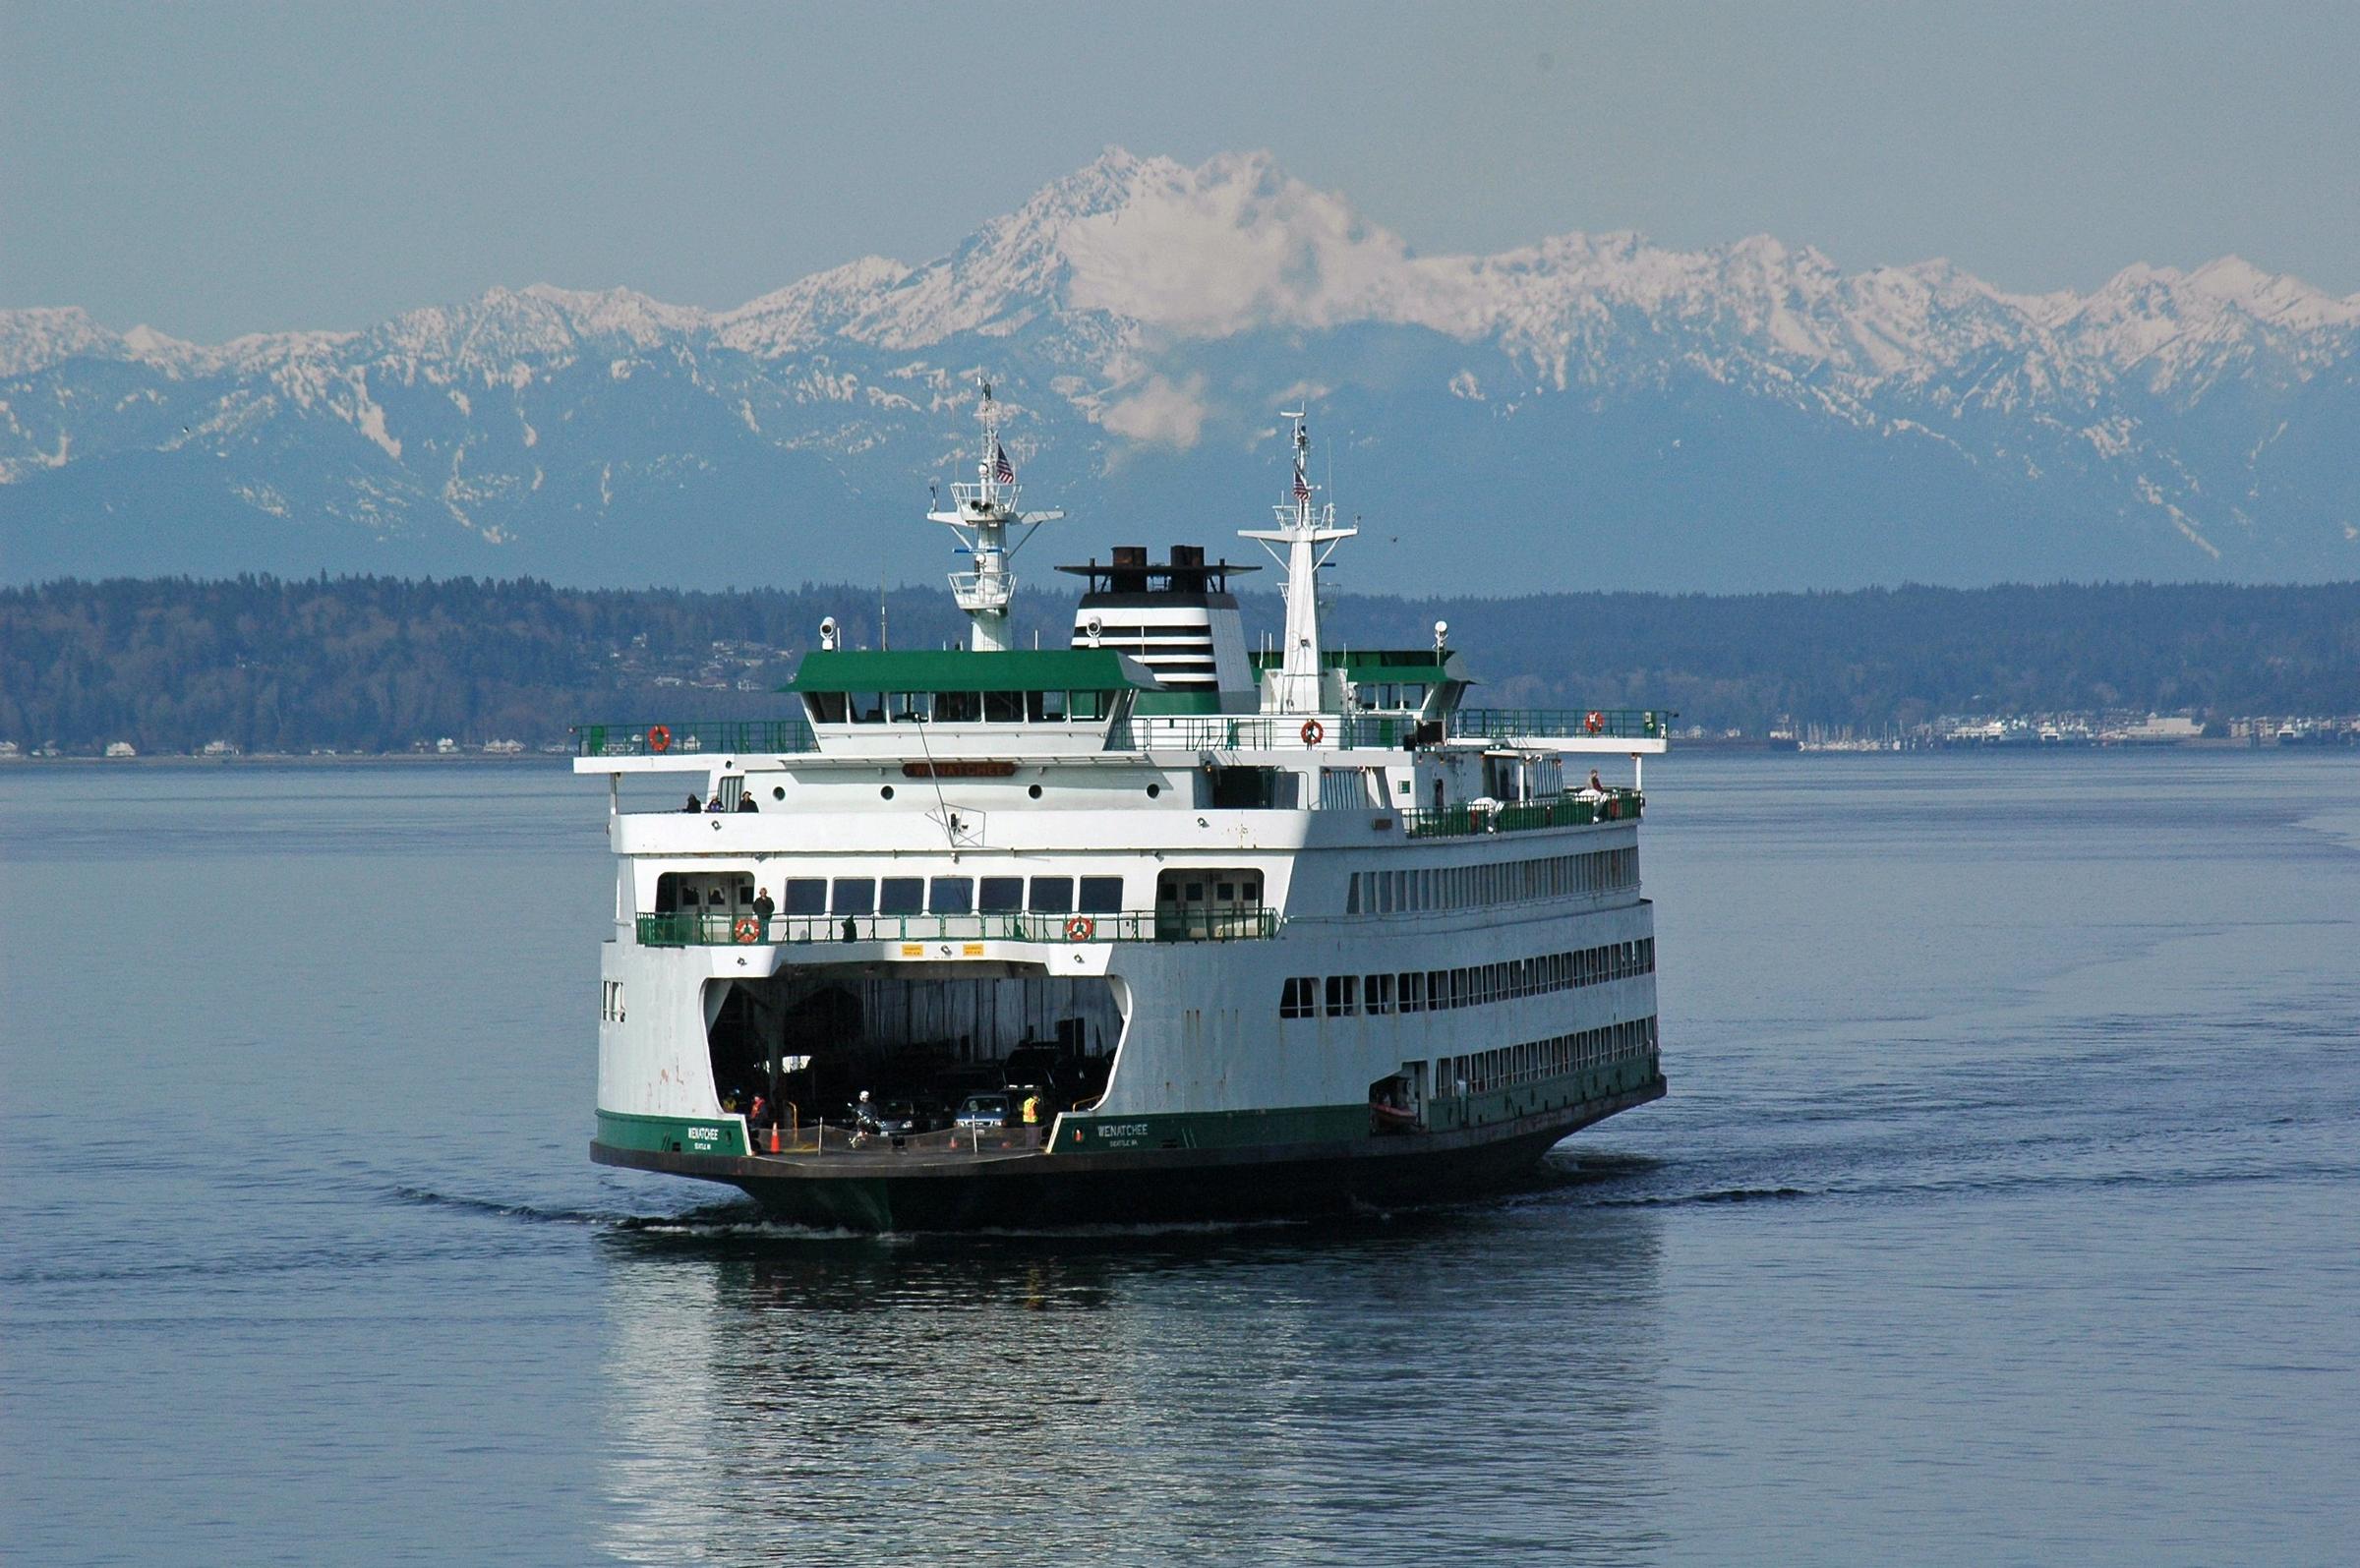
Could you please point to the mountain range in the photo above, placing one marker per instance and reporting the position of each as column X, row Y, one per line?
column 1591, row 411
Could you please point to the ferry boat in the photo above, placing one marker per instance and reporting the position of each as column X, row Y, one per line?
column 1145, row 928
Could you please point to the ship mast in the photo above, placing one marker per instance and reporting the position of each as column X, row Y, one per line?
column 982, row 514
column 1302, row 527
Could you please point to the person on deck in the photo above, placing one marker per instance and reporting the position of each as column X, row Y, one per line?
column 714, row 804
column 764, row 909
column 693, row 803
column 745, row 802
column 1595, row 787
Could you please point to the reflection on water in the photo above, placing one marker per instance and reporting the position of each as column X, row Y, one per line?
column 1270, row 1394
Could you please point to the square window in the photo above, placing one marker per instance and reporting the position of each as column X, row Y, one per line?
column 1002, row 895
column 856, row 895
column 806, row 895
column 1004, row 707
column 1052, row 896
column 1343, row 995
column 902, row 895
column 1101, row 895
column 1224, row 892
column 952, row 895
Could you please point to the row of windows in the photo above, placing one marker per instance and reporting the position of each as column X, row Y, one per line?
column 1564, row 876
column 904, row 895
column 958, row 707
column 1535, row 1060
column 1437, row 990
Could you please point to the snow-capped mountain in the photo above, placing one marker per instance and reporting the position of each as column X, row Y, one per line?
column 1591, row 410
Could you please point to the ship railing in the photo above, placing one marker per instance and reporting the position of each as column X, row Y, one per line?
column 1260, row 733
column 851, row 1137
column 696, row 736
column 1573, row 810
column 1525, row 724
column 704, row 928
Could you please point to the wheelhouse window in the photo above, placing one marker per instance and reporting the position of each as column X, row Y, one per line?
column 825, row 707
column 901, row 894
column 1101, row 895
column 1004, row 707
column 868, row 707
column 1002, row 895
column 951, row 896
column 958, row 707
column 912, row 706
column 1052, row 896
column 1045, row 707
column 856, row 895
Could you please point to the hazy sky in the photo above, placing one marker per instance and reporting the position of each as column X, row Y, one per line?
column 214, row 169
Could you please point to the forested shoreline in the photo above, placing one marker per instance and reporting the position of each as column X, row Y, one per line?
column 376, row 665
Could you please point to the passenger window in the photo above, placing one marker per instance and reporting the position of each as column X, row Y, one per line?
column 902, row 895
column 1053, row 895
column 1101, row 895
column 1224, row 892
column 806, row 895
column 856, row 895
column 1002, row 895
column 1343, row 995
column 952, row 895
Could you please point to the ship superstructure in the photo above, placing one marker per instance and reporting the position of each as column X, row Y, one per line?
column 1147, row 927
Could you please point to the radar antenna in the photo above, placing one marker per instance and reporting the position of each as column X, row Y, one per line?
column 1304, row 525
column 982, row 516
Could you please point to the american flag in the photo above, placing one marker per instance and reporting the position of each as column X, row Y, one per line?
column 1302, row 489
column 1001, row 469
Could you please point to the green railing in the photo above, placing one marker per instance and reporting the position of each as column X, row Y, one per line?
column 707, row 929
column 729, row 736
column 1567, row 811
column 1257, row 733
column 1607, row 723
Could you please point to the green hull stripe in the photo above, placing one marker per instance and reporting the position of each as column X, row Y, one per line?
column 674, row 1134
column 1081, row 1133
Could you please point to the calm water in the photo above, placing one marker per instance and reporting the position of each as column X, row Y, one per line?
column 2004, row 1210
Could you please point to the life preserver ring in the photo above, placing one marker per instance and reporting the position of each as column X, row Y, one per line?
column 1313, row 732
column 1080, row 928
column 1594, row 722
column 659, row 738
column 749, row 928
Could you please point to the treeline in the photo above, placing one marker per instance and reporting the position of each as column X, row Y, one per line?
column 374, row 664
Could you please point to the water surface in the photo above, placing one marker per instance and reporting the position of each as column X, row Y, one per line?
column 2002, row 1210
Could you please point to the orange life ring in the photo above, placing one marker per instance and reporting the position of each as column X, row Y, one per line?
column 659, row 738
column 749, row 928
column 1312, row 732
column 1594, row 722
column 1080, row 928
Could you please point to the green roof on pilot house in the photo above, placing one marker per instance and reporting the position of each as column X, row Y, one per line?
column 963, row 670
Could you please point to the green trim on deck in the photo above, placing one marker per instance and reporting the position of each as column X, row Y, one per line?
column 1096, row 1133
column 719, row 1134
column 961, row 670
column 1402, row 667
